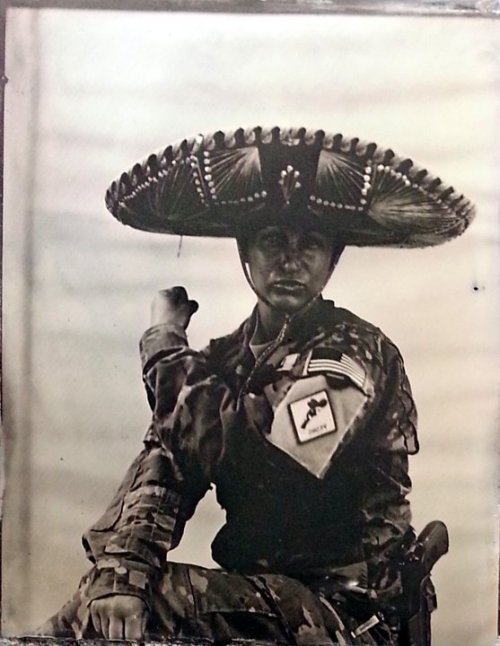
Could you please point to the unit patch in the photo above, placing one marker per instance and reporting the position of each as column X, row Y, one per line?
column 312, row 416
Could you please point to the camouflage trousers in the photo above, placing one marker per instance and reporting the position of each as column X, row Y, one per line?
column 198, row 603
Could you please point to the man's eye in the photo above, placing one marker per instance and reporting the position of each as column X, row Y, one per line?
column 272, row 240
column 313, row 243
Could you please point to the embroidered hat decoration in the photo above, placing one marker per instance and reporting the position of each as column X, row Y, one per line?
column 223, row 183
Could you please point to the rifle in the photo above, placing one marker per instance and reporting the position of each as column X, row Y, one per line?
column 419, row 595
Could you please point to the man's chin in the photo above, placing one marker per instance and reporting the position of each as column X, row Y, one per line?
column 289, row 304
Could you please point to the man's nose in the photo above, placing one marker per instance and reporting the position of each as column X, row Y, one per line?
column 290, row 257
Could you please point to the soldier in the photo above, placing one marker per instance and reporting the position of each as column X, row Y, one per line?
column 302, row 418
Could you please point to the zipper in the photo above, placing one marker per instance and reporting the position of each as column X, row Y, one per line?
column 264, row 356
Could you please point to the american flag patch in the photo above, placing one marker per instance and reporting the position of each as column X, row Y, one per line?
column 331, row 360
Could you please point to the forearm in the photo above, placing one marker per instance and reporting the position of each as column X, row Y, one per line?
column 128, row 545
column 192, row 405
column 145, row 520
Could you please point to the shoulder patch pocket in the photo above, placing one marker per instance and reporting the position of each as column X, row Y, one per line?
column 314, row 420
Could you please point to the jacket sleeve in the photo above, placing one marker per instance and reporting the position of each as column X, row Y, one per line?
column 385, row 508
column 146, row 518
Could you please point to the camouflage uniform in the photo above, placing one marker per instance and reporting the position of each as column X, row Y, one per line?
column 308, row 449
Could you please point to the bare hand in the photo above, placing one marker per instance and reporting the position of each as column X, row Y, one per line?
column 119, row 616
column 172, row 306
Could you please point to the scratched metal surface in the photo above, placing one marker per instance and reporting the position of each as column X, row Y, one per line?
column 92, row 92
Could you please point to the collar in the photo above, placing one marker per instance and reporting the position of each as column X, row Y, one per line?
column 320, row 314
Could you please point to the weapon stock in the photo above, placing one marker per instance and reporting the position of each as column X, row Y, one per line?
column 431, row 544
column 418, row 591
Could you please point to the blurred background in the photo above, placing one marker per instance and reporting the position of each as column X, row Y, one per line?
column 92, row 92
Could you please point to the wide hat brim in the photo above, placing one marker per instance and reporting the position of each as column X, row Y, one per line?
column 222, row 184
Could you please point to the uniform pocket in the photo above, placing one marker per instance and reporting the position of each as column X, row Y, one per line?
column 263, row 608
column 110, row 517
column 218, row 591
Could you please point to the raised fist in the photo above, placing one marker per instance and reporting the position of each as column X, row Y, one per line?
column 172, row 306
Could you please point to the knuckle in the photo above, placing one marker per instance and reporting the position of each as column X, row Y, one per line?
column 179, row 293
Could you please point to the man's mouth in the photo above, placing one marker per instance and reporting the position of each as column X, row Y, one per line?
column 288, row 285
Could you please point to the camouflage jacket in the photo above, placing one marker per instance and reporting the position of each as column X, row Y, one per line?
column 307, row 447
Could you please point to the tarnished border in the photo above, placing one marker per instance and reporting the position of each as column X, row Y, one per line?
column 447, row 8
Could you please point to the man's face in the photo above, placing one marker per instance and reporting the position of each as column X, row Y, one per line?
column 289, row 265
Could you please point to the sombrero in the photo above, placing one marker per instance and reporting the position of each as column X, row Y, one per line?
column 219, row 184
